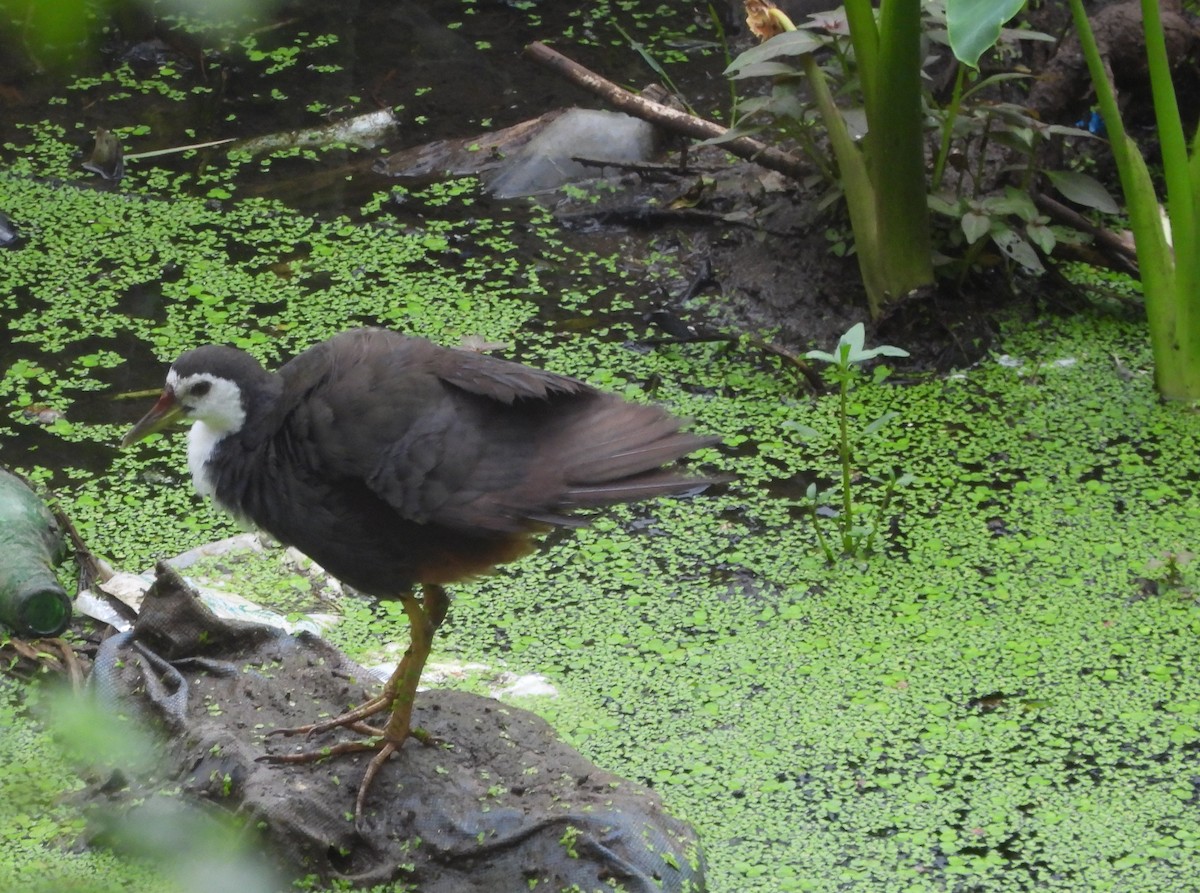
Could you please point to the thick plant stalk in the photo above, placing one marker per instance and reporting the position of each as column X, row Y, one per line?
column 856, row 183
column 1170, row 277
column 1183, row 207
column 884, row 182
column 864, row 37
column 896, row 151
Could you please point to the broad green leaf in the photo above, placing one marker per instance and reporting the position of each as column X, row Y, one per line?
column 1083, row 190
column 1074, row 132
column 944, row 203
column 879, row 422
column 883, row 350
column 737, row 131
column 1014, row 34
column 790, row 43
column 1013, row 137
column 974, row 25
column 975, row 226
column 850, row 345
column 1014, row 246
column 1012, row 202
column 804, row 432
column 767, row 70
column 993, row 80
column 1042, row 236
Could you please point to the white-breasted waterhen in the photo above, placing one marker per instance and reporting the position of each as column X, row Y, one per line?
column 393, row 462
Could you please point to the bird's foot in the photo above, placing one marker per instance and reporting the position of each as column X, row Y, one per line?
column 351, row 719
column 373, row 767
column 387, row 747
column 321, row 753
column 376, row 741
column 399, row 694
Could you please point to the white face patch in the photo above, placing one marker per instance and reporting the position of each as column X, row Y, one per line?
column 215, row 405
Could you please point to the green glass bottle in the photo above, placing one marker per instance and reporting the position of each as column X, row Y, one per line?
column 32, row 601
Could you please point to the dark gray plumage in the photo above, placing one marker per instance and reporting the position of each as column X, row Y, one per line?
column 391, row 461
column 394, row 462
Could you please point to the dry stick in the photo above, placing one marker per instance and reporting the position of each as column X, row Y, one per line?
column 664, row 116
column 1122, row 252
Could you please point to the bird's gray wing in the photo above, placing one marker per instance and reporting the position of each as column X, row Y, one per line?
column 474, row 443
column 501, row 380
column 429, row 430
column 392, row 355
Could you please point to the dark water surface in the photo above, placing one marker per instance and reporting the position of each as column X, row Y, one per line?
column 447, row 69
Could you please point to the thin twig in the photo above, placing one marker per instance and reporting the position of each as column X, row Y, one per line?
column 666, row 117
column 175, row 150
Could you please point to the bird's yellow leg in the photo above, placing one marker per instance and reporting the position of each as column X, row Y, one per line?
column 424, row 619
column 399, row 694
column 352, row 719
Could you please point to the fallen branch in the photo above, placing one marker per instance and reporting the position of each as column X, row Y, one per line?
column 642, row 215
column 645, row 168
column 671, row 119
column 1120, row 252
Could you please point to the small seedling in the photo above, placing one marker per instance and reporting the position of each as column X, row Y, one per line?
column 857, row 529
column 1168, row 571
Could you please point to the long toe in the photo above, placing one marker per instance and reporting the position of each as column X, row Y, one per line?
column 321, row 753
column 373, row 767
column 347, row 720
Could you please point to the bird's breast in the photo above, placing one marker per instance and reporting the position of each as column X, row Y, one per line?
column 202, row 443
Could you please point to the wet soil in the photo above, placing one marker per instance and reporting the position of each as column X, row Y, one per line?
column 762, row 261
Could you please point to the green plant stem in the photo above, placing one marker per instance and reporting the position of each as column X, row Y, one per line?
column 880, row 514
column 821, row 540
column 657, row 68
column 720, row 29
column 856, row 181
column 1183, row 195
column 1170, row 291
column 864, row 37
column 1170, row 134
column 844, row 450
column 939, row 166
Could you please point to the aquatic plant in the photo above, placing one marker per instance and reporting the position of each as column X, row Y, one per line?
column 1168, row 243
column 857, row 526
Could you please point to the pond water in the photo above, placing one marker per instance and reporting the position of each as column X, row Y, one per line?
column 447, row 70
column 823, row 726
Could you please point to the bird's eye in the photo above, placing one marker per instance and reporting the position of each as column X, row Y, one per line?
column 200, row 388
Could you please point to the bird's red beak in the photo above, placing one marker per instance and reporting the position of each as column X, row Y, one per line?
column 165, row 412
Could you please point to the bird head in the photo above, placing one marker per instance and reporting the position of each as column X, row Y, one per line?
column 202, row 386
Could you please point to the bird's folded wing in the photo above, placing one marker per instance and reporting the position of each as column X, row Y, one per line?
column 478, row 444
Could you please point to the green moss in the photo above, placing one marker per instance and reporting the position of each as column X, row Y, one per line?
column 996, row 700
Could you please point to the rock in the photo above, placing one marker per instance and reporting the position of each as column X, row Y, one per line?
column 499, row 805
column 547, row 161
